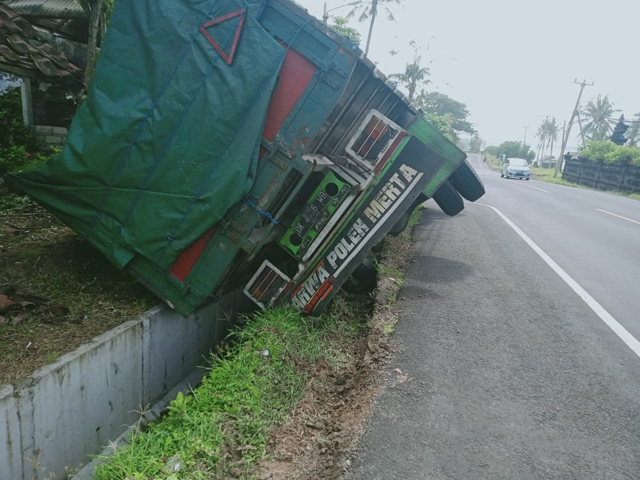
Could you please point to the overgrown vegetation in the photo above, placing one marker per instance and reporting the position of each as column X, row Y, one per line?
column 19, row 147
column 513, row 149
column 493, row 161
column 609, row 153
column 223, row 427
column 341, row 25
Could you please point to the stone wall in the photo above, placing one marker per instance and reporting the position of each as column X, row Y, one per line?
column 603, row 177
column 54, row 136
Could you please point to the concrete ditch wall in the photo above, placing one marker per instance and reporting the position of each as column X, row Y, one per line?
column 56, row 418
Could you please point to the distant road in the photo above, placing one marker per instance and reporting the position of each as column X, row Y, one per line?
column 594, row 236
column 514, row 334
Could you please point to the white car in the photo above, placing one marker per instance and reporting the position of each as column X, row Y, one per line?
column 516, row 168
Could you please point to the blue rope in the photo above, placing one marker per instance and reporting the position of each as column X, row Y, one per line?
column 262, row 212
column 264, row 4
column 138, row 132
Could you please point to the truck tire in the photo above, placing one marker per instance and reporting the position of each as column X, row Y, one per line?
column 364, row 279
column 403, row 221
column 448, row 199
column 466, row 182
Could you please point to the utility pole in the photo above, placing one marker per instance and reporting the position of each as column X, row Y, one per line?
column 27, row 102
column 374, row 13
column 325, row 14
column 564, row 129
column 568, row 134
column 524, row 142
column 581, row 129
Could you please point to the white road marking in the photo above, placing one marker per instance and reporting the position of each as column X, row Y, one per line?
column 598, row 309
column 531, row 186
column 619, row 216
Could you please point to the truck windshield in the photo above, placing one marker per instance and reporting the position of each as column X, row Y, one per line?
column 518, row 162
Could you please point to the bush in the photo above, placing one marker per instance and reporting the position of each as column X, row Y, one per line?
column 594, row 151
column 609, row 153
column 19, row 146
column 514, row 149
column 17, row 158
column 12, row 129
column 491, row 150
column 623, row 156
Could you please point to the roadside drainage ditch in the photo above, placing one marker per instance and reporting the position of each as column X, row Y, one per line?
column 54, row 420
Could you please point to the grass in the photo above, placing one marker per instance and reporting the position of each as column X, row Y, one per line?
column 546, row 175
column 222, row 429
column 389, row 327
column 395, row 273
column 493, row 161
column 539, row 172
column 414, row 220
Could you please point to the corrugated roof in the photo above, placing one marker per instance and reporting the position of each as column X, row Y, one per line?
column 47, row 8
column 24, row 52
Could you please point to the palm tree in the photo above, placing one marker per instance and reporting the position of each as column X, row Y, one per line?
column 541, row 134
column 599, row 114
column 552, row 133
column 369, row 10
column 414, row 75
column 633, row 134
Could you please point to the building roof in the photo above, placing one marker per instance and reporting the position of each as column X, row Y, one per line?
column 47, row 8
column 24, row 52
column 65, row 18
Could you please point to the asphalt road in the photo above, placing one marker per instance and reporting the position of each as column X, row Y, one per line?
column 579, row 230
column 503, row 370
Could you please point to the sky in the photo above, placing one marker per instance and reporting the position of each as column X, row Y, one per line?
column 512, row 62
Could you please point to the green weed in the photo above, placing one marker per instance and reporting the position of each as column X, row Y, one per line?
column 416, row 216
column 390, row 325
column 250, row 388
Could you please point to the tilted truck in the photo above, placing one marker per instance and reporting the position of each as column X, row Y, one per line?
column 229, row 144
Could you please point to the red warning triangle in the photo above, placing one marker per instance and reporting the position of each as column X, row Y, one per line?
column 242, row 13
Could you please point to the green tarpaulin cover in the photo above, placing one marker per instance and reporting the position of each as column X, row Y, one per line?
column 167, row 140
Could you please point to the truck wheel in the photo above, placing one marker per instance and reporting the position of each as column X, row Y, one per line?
column 467, row 183
column 448, row 199
column 364, row 279
column 403, row 221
